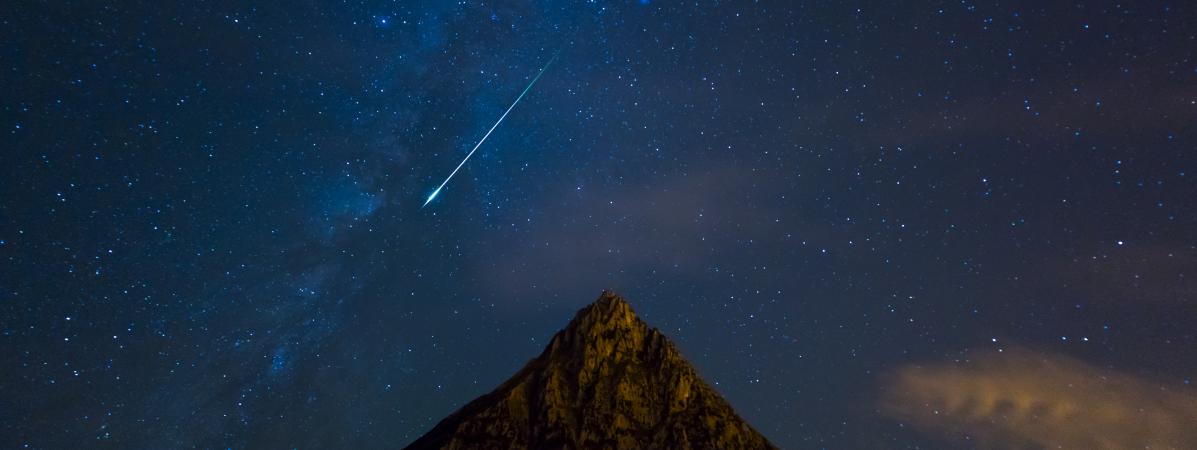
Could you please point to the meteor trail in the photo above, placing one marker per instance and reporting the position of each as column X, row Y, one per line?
column 492, row 128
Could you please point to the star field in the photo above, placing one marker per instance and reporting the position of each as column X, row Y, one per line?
column 211, row 230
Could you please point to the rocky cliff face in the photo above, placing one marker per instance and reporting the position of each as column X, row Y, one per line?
column 606, row 381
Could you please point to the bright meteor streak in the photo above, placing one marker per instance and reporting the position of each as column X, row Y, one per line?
column 488, row 132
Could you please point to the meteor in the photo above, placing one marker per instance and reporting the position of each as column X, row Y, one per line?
column 488, row 132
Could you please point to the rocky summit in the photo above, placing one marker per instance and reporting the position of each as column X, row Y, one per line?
column 606, row 381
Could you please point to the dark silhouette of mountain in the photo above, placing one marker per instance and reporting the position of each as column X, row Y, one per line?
column 606, row 381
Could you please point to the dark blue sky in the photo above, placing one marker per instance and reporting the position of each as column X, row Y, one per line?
column 211, row 233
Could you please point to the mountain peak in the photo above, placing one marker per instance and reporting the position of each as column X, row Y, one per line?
column 611, row 306
column 609, row 311
column 609, row 297
column 607, row 380
column 608, row 301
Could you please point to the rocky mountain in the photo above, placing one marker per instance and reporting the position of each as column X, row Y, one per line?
column 606, row 381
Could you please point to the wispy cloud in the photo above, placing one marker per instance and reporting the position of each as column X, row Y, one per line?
column 1021, row 398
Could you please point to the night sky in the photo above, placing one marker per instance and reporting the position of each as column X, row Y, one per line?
column 211, row 230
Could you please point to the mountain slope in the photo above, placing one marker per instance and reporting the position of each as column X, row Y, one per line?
column 606, row 381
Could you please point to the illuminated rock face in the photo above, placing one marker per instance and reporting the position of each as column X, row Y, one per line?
column 606, row 381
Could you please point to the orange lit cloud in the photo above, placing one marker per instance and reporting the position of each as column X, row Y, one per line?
column 1021, row 399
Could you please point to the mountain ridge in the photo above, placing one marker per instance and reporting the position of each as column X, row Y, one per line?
column 607, row 380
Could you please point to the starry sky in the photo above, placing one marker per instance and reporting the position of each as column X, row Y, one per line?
column 211, row 230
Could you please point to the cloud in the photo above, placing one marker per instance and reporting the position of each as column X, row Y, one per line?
column 1020, row 398
column 683, row 225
